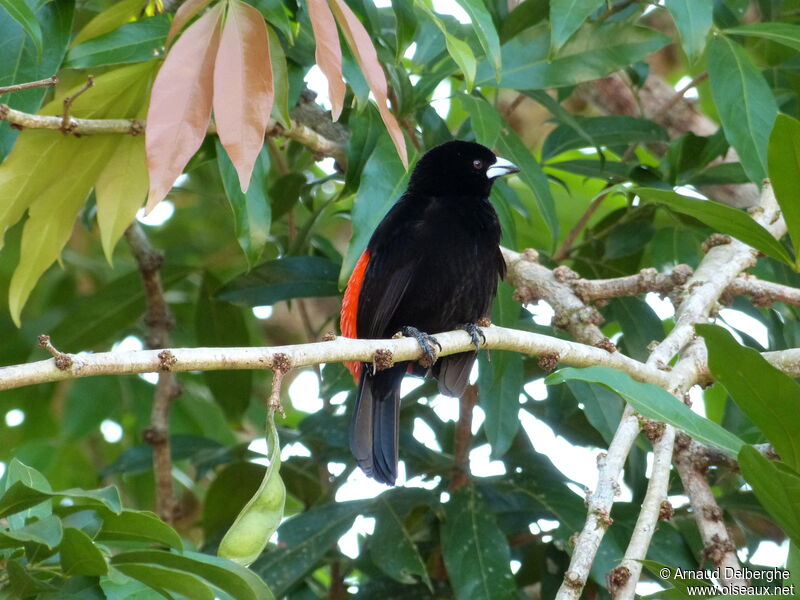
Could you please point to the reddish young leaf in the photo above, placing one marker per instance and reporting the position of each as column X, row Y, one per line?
column 329, row 53
column 243, row 91
column 183, row 15
column 180, row 104
column 360, row 43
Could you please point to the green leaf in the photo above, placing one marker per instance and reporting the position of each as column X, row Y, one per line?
column 365, row 131
column 603, row 408
column 525, row 15
column 776, row 487
column 164, row 580
column 475, row 549
column 304, row 539
column 19, row 475
column 19, row 60
column 223, row 574
column 133, row 42
column 22, row 584
column 284, row 279
column 485, row 30
column 566, row 16
column 748, row 120
column 252, row 213
column 500, row 380
column 140, row 526
column 100, row 317
column 114, row 16
column 485, row 120
column 458, row 49
column 784, row 164
column 120, row 191
column 23, row 15
column 640, row 325
column 47, row 532
column 787, row 34
column 654, row 403
column 280, row 80
column 768, row 396
column 79, row 555
column 722, row 218
column 220, row 323
column 693, row 20
column 602, row 131
column 383, row 181
column 406, row 27
column 593, row 52
column 21, row 495
column 532, row 175
column 391, row 546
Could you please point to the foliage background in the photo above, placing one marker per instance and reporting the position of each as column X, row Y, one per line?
column 291, row 242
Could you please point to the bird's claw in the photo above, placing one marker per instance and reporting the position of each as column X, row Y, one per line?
column 475, row 334
column 425, row 342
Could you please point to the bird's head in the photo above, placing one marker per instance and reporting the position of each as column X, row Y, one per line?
column 458, row 168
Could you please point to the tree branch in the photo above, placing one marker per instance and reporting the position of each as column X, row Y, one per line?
column 300, row 131
column 159, row 322
column 301, row 355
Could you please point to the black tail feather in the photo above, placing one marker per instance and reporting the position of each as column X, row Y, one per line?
column 375, row 427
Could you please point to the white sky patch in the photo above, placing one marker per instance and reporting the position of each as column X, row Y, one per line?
column 481, row 464
column 162, row 213
column 424, row 435
column 688, row 190
column 445, row 408
column 15, row 417
column 409, row 384
column 643, row 588
column 661, row 306
column 515, row 566
column 542, row 313
column 336, row 468
column 691, row 93
column 478, row 417
column 111, row 430
column 744, row 322
column 451, row 7
column 577, row 463
column 339, row 398
column 770, row 554
column 409, row 53
column 2, row 468
column 129, row 344
column 318, row 83
column 348, row 543
column 262, row 312
column 536, row 389
column 696, row 396
column 440, row 101
column 678, row 501
column 304, row 392
column 328, row 166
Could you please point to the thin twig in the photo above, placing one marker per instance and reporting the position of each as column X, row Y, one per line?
column 463, row 438
column 65, row 124
column 159, row 322
column 53, row 80
column 566, row 246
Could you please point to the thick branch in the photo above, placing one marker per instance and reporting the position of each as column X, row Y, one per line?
column 534, row 282
column 341, row 349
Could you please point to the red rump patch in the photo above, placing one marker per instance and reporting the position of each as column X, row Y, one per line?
column 350, row 307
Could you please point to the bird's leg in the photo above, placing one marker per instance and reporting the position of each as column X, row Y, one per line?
column 425, row 342
column 475, row 334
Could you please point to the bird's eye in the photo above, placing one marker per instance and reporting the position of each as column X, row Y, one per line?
column 477, row 163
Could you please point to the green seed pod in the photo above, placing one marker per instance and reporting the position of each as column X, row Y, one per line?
column 261, row 516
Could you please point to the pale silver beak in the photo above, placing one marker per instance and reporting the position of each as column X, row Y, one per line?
column 501, row 167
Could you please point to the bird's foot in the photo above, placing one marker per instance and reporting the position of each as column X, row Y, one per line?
column 425, row 342
column 475, row 334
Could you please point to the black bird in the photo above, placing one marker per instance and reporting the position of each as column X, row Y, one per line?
column 431, row 265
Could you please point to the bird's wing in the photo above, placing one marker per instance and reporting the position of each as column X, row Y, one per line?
column 384, row 287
